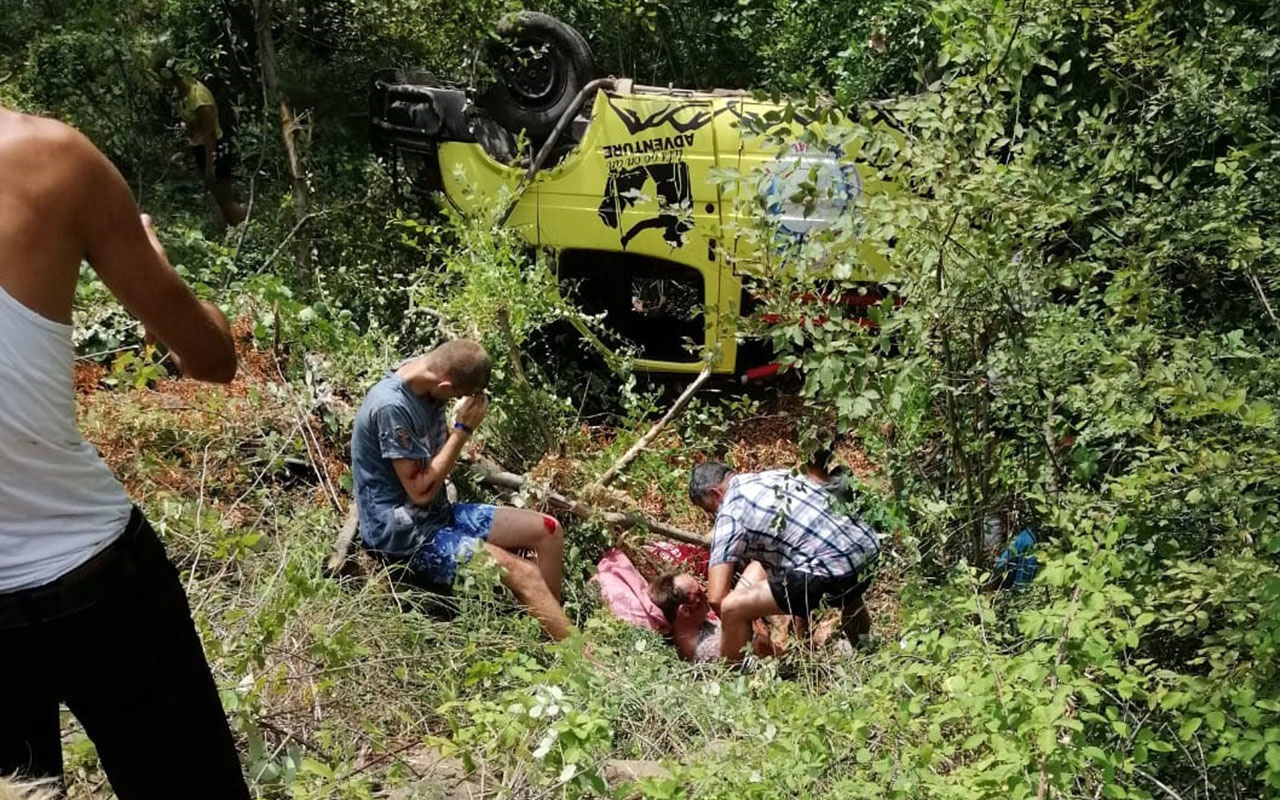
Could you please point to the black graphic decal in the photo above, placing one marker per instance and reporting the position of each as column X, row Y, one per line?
column 663, row 116
column 626, row 187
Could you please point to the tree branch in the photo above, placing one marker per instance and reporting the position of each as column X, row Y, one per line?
column 289, row 127
column 517, row 370
column 1262, row 296
column 1160, row 785
column 1053, row 681
column 678, row 406
column 492, row 474
column 342, row 545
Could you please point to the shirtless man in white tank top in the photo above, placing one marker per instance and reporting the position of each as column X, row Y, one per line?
column 92, row 614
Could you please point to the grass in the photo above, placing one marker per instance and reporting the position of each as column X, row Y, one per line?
column 335, row 690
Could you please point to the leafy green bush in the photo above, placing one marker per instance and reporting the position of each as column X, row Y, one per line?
column 1086, row 347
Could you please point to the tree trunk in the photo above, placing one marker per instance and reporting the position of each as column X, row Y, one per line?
column 549, row 439
column 289, row 130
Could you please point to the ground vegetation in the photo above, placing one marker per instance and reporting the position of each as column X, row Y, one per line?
column 1085, row 252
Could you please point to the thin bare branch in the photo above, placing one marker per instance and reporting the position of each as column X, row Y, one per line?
column 636, row 449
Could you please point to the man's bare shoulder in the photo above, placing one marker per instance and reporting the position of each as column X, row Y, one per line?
column 43, row 144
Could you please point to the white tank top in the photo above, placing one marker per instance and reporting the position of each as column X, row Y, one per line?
column 59, row 503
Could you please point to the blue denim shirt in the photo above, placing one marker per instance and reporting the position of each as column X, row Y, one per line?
column 393, row 423
column 1018, row 562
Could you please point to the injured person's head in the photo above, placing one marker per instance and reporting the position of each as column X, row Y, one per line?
column 678, row 594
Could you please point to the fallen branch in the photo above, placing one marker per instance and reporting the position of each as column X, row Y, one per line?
column 493, row 475
column 678, row 406
column 342, row 546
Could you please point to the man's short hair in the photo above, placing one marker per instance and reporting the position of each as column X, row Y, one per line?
column 462, row 362
column 704, row 478
column 162, row 59
column 665, row 595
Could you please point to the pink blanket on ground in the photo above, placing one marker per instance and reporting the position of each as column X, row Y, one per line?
column 626, row 592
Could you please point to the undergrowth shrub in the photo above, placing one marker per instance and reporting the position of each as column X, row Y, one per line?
column 1083, row 238
column 1085, row 348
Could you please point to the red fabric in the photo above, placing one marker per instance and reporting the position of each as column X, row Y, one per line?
column 689, row 558
column 626, row 592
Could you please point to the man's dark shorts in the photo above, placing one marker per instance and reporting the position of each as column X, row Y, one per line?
column 114, row 640
column 224, row 158
column 434, row 565
column 798, row 593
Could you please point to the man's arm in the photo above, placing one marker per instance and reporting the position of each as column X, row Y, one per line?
column 132, row 263
column 719, row 583
column 424, row 480
column 728, row 543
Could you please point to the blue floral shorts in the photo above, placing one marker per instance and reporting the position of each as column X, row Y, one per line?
column 436, row 560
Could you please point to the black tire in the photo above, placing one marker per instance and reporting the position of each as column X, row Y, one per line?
column 541, row 64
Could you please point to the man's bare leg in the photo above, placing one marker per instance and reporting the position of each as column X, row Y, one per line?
column 738, row 611
column 224, row 195
column 524, row 580
column 752, row 574
column 770, row 633
column 521, row 529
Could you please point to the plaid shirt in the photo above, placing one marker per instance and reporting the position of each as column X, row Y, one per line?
column 786, row 522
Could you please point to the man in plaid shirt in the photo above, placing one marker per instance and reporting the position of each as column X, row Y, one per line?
column 811, row 550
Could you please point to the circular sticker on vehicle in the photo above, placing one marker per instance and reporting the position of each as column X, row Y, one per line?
column 807, row 188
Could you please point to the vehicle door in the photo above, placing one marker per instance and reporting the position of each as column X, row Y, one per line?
column 637, row 196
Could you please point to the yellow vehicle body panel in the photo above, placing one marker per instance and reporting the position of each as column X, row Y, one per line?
column 641, row 182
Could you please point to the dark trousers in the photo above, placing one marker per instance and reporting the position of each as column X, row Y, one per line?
column 115, row 642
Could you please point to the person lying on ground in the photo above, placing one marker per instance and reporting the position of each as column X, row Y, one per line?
column 695, row 634
column 790, row 524
column 212, row 152
column 403, row 450
column 92, row 613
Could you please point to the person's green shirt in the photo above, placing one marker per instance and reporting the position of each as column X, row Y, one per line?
column 197, row 97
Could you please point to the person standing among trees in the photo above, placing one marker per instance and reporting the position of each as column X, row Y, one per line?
column 92, row 612
column 210, row 149
column 402, row 451
column 791, row 525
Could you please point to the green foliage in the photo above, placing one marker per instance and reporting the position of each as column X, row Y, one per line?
column 1084, row 240
column 848, row 50
column 1086, row 347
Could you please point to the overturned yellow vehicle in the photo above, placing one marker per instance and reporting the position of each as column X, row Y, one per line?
column 626, row 189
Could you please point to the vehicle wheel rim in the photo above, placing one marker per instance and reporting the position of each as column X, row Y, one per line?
column 531, row 71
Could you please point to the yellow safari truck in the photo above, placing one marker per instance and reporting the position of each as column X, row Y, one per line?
column 619, row 183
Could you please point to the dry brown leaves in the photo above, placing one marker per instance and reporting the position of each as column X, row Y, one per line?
column 87, row 377
column 119, row 423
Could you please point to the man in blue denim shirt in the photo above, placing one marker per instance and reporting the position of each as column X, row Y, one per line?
column 402, row 451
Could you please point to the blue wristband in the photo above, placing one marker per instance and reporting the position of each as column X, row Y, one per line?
column 458, row 426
